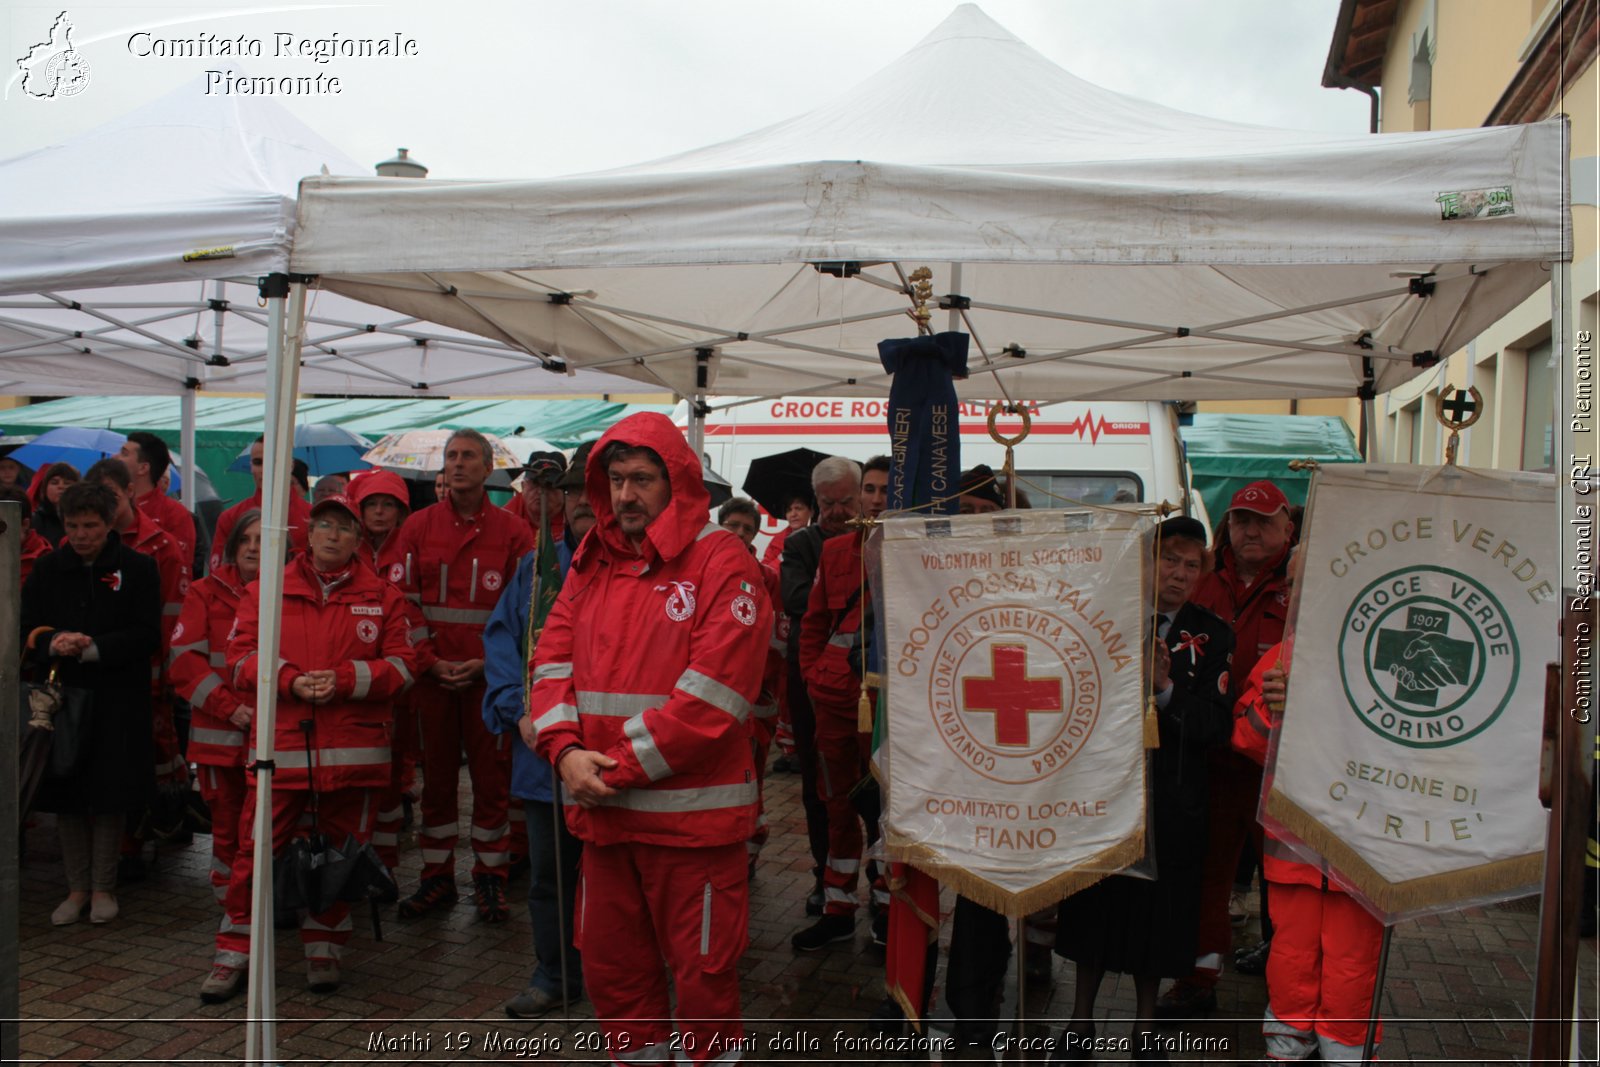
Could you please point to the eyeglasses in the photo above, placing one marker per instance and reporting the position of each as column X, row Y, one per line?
column 343, row 529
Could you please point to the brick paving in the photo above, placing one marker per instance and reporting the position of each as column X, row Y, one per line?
column 1459, row 986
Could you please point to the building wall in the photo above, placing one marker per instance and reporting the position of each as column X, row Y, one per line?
column 1479, row 46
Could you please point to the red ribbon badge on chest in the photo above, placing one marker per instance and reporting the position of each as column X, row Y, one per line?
column 1192, row 643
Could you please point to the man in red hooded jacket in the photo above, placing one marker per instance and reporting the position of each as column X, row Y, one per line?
column 643, row 682
column 1249, row 591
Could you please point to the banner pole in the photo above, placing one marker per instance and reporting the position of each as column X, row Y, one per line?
column 1377, row 993
column 1020, row 935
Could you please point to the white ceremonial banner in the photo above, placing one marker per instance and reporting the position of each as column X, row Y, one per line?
column 1013, row 662
column 1409, row 752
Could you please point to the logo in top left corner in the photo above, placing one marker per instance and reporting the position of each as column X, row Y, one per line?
column 53, row 68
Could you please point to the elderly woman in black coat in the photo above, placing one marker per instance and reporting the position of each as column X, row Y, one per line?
column 93, row 607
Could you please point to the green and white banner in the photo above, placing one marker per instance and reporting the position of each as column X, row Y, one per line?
column 1409, row 751
column 1014, row 660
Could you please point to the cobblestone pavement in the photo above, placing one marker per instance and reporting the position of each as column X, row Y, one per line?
column 1459, row 986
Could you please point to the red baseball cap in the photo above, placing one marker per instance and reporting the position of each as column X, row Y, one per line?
column 1262, row 497
column 337, row 500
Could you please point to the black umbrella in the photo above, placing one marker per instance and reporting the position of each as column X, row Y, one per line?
column 773, row 481
column 720, row 488
column 312, row 873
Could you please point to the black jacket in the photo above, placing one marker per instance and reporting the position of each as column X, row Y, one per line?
column 117, row 601
column 1198, row 717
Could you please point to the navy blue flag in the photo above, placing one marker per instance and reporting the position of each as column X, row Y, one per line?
column 924, row 420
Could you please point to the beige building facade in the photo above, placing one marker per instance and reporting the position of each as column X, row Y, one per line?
column 1441, row 64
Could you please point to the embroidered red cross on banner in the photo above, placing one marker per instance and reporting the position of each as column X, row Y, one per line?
column 1010, row 694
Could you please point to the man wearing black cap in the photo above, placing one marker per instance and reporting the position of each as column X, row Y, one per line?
column 540, row 478
column 980, row 492
column 1249, row 591
column 1137, row 926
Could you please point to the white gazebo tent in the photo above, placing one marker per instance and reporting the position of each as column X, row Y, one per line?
column 1093, row 245
column 131, row 265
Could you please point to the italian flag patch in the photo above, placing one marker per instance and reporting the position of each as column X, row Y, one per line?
column 746, row 587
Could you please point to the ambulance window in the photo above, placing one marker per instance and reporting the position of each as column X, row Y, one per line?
column 1045, row 488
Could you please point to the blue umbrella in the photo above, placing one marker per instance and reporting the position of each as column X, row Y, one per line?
column 80, row 446
column 326, row 448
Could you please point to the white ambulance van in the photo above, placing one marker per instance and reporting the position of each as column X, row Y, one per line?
column 1092, row 451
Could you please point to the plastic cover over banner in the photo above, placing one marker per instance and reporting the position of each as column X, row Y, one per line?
column 1014, row 670
column 1407, row 764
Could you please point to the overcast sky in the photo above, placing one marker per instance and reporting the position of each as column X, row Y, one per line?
column 528, row 88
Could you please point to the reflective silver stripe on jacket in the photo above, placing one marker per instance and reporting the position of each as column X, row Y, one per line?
column 363, row 682
column 472, row 589
column 765, row 711
column 651, row 761
column 201, row 646
column 219, row 659
column 207, row 686
column 421, row 633
column 714, row 693
column 228, row 738
column 708, row 798
column 842, row 640
column 172, row 607
column 400, row 665
column 619, row 705
column 710, row 529
column 332, row 757
column 444, row 582
column 558, row 714
column 468, row 616
column 552, row 670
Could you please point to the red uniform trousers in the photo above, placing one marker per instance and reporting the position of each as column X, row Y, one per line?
column 340, row 814
column 1320, row 975
column 842, row 753
column 452, row 721
column 1235, row 795
column 640, row 905
column 223, row 789
column 402, row 764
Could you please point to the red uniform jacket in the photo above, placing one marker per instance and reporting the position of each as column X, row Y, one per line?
column 172, row 517
column 33, row 546
column 358, row 630
column 655, row 659
column 831, row 621
column 386, row 559
column 1256, row 613
column 153, row 541
column 198, row 663
column 1253, row 726
column 299, row 524
column 455, row 568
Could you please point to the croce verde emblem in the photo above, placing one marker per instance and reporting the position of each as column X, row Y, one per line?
column 1427, row 657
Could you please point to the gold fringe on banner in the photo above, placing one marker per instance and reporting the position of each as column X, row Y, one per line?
column 1416, row 894
column 1152, row 724
column 980, row 890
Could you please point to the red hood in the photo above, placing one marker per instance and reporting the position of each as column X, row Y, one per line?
column 375, row 482
column 687, row 512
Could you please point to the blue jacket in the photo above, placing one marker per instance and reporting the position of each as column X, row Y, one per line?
column 505, row 674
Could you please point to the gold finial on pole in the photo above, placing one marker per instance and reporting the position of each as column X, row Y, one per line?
column 1010, row 442
column 1307, row 464
column 921, row 293
column 1456, row 414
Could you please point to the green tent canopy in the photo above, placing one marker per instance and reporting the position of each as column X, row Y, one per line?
column 1228, row 452
column 225, row 426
